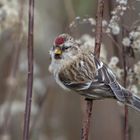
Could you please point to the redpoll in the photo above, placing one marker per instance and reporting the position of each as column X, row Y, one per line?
column 76, row 68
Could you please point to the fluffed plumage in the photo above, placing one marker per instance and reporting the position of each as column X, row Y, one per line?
column 79, row 70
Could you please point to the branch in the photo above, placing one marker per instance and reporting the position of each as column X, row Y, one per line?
column 30, row 71
column 98, row 36
column 126, row 127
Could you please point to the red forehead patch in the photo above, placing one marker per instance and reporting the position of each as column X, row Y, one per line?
column 59, row 40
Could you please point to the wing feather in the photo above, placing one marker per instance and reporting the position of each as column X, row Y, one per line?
column 103, row 82
column 109, row 79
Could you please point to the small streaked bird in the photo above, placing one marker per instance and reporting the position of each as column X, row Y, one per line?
column 76, row 68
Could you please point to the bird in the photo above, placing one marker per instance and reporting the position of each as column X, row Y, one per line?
column 76, row 68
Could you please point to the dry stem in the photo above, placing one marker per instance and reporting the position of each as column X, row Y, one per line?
column 30, row 71
column 126, row 127
column 98, row 36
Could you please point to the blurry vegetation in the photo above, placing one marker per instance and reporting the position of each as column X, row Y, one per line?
column 83, row 7
column 57, row 115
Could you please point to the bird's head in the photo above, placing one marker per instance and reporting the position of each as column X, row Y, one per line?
column 64, row 49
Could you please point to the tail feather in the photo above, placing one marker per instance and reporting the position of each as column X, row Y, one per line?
column 135, row 103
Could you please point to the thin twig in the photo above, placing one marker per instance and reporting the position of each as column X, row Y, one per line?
column 86, row 122
column 114, row 41
column 98, row 36
column 30, row 71
column 124, row 66
column 126, row 125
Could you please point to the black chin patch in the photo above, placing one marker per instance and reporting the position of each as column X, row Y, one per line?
column 57, row 56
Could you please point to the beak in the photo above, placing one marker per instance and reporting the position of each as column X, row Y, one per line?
column 57, row 51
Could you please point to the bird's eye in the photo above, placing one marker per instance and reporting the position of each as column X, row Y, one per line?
column 65, row 47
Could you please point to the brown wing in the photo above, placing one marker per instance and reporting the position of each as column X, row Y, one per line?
column 93, row 78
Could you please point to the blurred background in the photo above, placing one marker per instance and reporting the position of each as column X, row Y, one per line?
column 56, row 114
